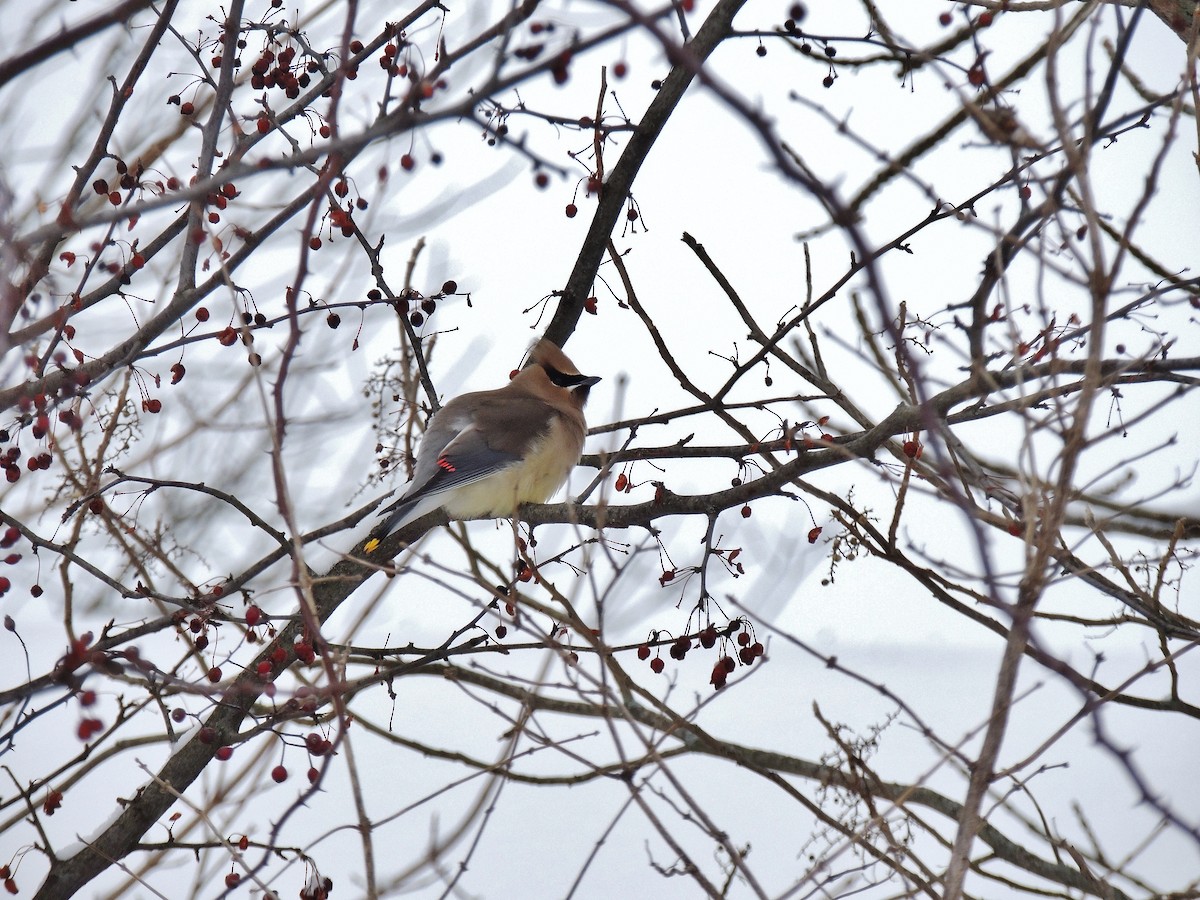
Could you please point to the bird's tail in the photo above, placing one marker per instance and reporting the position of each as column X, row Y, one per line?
column 396, row 516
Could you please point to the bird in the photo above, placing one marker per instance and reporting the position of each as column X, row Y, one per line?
column 487, row 452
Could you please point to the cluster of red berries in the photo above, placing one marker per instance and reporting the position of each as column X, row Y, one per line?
column 199, row 627
column 88, row 725
column 126, row 180
column 530, row 52
column 279, row 70
column 984, row 20
column 387, row 60
column 218, row 200
column 35, row 411
column 78, row 655
column 303, row 649
column 318, row 888
column 317, row 744
column 749, row 650
column 340, row 218
column 8, row 460
column 81, row 654
column 10, row 883
column 560, row 69
column 11, row 535
column 425, row 306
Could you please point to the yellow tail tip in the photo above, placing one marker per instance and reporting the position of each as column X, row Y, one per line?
column 371, row 546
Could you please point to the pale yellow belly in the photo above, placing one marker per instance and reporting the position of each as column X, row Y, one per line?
column 535, row 480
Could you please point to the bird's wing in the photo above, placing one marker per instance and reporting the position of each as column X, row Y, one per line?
column 495, row 435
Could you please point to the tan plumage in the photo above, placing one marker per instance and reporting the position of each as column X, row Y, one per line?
column 487, row 452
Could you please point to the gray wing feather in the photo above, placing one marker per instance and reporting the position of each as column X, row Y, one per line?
column 468, row 439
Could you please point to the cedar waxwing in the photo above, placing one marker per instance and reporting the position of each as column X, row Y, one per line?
column 487, row 452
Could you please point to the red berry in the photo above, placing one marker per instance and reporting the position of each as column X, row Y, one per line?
column 214, row 674
column 279, row 774
column 313, row 775
column 223, row 753
column 620, row 69
column 316, row 744
column 53, row 802
column 407, row 163
column 945, row 19
column 571, row 210
column 201, row 314
column 253, row 615
column 719, row 676
column 746, row 511
column 232, row 880
column 913, row 449
column 643, row 651
column 304, row 652
column 813, row 534
column 657, row 665
column 186, row 109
